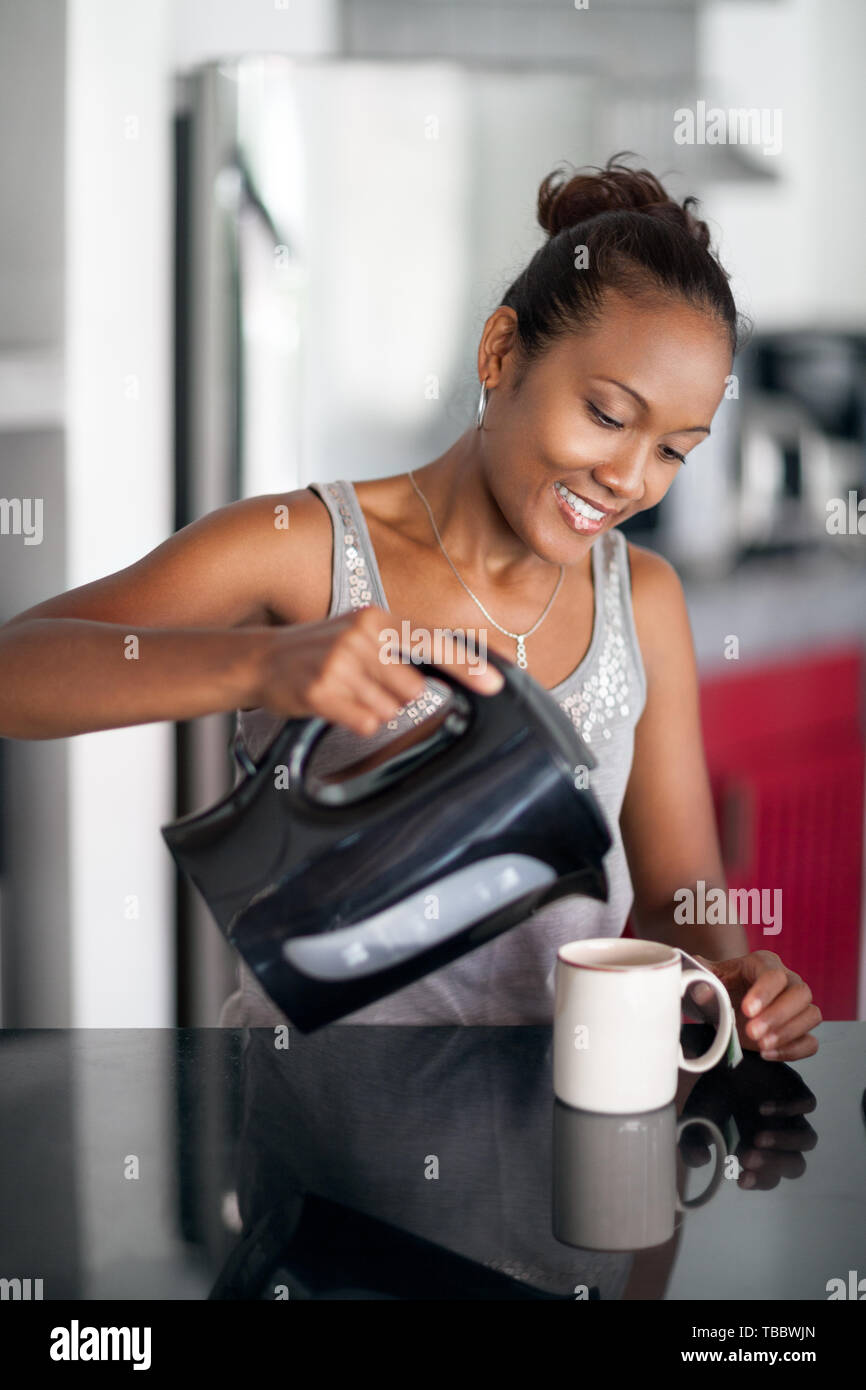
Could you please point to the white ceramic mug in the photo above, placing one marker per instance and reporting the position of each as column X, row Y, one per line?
column 615, row 1177
column 616, row 1025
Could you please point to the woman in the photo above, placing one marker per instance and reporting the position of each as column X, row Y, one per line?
column 601, row 371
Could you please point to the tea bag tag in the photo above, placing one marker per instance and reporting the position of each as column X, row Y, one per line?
column 734, row 1052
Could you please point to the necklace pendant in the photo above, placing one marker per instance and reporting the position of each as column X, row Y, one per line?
column 521, row 654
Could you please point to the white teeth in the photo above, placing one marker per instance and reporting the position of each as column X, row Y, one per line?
column 591, row 513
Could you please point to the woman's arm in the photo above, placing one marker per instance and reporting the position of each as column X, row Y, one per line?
column 668, row 823
column 229, row 612
column 173, row 636
column 669, row 831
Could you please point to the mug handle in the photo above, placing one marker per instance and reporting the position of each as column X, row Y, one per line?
column 717, row 1140
column 718, row 1046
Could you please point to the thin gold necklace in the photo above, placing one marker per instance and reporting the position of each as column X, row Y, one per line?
column 520, row 637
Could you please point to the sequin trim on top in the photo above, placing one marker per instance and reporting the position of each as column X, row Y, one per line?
column 361, row 596
column 360, row 593
column 604, row 695
column 613, row 690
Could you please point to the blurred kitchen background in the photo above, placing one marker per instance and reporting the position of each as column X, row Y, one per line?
column 248, row 245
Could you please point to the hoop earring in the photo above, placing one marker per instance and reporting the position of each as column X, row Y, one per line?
column 482, row 405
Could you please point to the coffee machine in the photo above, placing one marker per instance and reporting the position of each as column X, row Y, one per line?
column 787, row 453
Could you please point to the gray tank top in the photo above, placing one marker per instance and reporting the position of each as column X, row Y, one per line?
column 508, row 980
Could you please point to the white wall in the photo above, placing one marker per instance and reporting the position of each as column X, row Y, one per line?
column 797, row 256
column 119, row 481
column 204, row 30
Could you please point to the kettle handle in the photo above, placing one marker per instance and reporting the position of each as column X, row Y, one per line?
column 309, row 729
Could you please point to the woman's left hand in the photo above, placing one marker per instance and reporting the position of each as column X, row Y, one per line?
column 773, row 1006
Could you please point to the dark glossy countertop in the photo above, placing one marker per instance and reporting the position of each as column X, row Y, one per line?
column 387, row 1162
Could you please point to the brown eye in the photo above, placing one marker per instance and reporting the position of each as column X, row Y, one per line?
column 605, row 419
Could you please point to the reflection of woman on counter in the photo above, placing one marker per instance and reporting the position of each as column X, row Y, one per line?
column 441, row 1133
column 601, row 370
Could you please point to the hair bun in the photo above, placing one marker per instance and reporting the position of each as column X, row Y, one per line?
column 565, row 201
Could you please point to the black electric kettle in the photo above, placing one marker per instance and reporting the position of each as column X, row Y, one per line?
column 340, row 888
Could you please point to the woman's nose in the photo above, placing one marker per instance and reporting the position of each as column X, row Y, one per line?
column 624, row 475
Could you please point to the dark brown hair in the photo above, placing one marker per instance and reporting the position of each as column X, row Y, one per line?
column 639, row 241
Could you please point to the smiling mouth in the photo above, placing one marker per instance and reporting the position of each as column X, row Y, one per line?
column 578, row 504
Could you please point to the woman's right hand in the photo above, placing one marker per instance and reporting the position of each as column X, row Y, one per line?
column 337, row 669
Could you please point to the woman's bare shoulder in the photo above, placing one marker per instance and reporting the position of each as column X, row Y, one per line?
column 284, row 539
column 261, row 560
column 295, row 534
column 649, row 568
column 659, row 605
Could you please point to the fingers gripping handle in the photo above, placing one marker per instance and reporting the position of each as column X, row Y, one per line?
column 719, row 1045
column 301, row 733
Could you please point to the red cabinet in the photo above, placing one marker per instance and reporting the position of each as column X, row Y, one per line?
column 785, row 750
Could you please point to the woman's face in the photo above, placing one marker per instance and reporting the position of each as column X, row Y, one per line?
column 573, row 435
